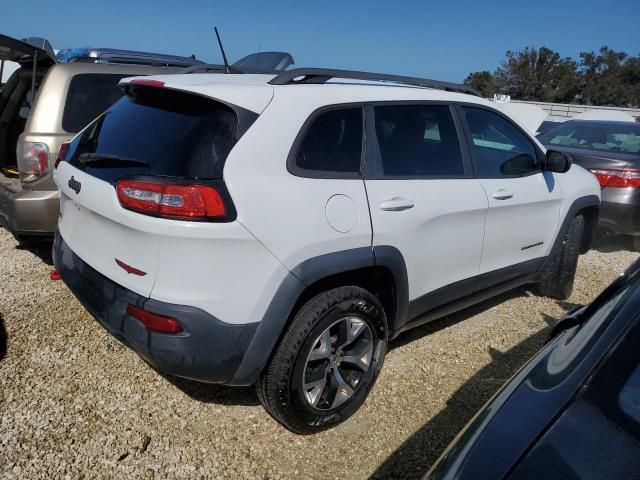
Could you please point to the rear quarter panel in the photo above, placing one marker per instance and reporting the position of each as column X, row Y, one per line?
column 288, row 213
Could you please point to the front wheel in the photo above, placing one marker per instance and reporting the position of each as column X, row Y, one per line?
column 327, row 362
column 559, row 285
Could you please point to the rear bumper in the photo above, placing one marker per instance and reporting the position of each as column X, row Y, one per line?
column 29, row 212
column 208, row 349
column 620, row 210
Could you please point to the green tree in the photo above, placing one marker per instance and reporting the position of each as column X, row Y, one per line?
column 538, row 74
column 608, row 78
column 603, row 78
column 484, row 82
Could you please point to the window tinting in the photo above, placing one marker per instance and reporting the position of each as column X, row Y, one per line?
column 617, row 137
column 88, row 96
column 499, row 148
column 157, row 132
column 418, row 140
column 333, row 142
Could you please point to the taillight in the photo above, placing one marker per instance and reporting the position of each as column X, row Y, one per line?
column 617, row 178
column 33, row 160
column 153, row 321
column 64, row 148
column 182, row 201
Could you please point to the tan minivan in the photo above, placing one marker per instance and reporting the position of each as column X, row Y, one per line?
column 45, row 103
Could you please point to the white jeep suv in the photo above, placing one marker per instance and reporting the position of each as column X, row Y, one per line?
column 280, row 230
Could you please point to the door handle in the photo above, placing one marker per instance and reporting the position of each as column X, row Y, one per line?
column 396, row 204
column 502, row 194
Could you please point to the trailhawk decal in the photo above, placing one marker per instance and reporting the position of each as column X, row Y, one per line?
column 532, row 245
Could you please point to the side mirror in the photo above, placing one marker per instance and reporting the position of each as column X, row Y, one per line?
column 557, row 162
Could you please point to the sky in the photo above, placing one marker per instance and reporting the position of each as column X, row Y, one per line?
column 439, row 40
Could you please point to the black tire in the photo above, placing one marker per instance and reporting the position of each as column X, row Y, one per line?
column 280, row 387
column 560, row 284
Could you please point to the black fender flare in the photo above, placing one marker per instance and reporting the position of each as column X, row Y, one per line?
column 275, row 319
column 577, row 205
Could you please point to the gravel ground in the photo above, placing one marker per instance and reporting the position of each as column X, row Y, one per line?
column 76, row 403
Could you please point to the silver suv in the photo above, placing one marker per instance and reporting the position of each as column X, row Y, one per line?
column 44, row 104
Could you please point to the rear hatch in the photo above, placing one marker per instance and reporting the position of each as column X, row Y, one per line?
column 34, row 56
column 124, row 177
column 26, row 51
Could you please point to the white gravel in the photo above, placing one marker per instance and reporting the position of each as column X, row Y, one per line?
column 75, row 403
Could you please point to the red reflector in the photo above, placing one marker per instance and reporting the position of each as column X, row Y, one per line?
column 153, row 321
column 54, row 275
column 129, row 268
column 148, row 83
column 64, row 148
column 171, row 200
column 617, row 178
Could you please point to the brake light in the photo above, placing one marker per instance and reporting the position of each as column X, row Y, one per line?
column 182, row 201
column 153, row 321
column 33, row 160
column 617, row 178
column 148, row 83
column 64, row 148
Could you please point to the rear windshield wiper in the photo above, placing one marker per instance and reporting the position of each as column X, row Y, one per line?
column 107, row 160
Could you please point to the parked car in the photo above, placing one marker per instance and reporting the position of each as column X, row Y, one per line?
column 44, row 104
column 573, row 411
column 546, row 125
column 611, row 151
column 280, row 230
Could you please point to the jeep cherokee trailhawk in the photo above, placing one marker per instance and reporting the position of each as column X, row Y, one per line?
column 280, row 230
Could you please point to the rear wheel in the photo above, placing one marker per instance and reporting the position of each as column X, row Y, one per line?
column 327, row 362
column 560, row 284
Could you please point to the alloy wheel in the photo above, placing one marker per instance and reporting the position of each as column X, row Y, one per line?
column 338, row 361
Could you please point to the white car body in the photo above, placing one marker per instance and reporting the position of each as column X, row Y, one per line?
column 293, row 231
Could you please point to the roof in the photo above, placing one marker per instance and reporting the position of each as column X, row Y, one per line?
column 254, row 92
column 74, row 68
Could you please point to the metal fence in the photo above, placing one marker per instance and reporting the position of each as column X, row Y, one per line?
column 563, row 111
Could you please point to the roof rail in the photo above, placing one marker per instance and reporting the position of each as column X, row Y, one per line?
column 214, row 67
column 209, row 67
column 322, row 75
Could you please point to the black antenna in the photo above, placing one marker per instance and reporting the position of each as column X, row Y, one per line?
column 224, row 56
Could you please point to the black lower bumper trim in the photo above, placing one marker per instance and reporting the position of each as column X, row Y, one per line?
column 208, row 349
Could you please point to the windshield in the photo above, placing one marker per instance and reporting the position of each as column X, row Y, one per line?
column 619, row 137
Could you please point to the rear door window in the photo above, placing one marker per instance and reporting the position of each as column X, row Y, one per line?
column 418, row 141
column 332, row 144
column 89, row 95
column 158, row 132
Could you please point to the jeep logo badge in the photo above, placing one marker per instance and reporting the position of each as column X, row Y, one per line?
column 74, row 185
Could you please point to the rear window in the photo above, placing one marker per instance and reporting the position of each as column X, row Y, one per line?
column 157, row 132
column 88, row 96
